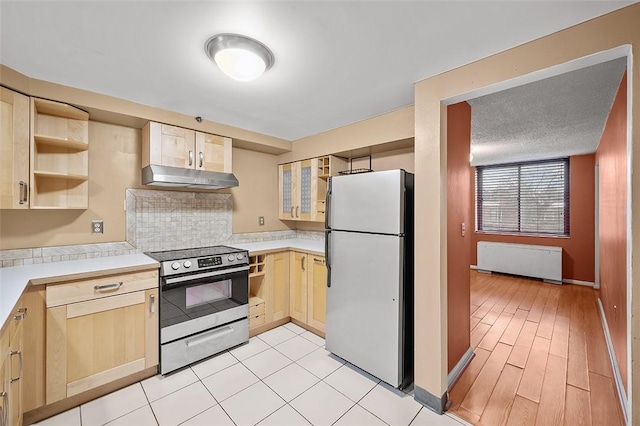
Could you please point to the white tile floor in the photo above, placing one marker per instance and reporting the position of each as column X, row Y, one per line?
column 282, row 377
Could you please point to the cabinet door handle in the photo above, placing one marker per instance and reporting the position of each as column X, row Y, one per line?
column 292, row 212
column 297, row 209
column 201, row 155
column 104, row 287
column 25, row 192
column 315, row 259
column 5, row 408
column 152, row 304
column 12, row 353
column 22, row 314
column 302, row 263
column 191, row 158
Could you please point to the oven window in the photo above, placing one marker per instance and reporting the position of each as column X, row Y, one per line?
column 207, row 293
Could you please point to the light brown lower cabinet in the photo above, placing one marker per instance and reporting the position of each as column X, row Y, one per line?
column 11, row 370
column 104, row 337
column 268, row 290
column 308, row 294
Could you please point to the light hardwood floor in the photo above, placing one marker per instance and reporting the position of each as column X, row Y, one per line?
column 540, row 356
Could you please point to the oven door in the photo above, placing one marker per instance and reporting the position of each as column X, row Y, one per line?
column 196, row 302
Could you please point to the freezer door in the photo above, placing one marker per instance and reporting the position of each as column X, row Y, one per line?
column 368, row 202
column 363, row 302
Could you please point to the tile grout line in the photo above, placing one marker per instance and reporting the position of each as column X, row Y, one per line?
column 149, row 403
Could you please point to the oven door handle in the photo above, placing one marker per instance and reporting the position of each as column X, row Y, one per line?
column 208, row 336
column 204, row 275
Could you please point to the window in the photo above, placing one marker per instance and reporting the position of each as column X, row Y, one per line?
column 524, row 198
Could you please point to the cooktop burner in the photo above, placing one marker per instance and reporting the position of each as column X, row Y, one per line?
column 171, row 255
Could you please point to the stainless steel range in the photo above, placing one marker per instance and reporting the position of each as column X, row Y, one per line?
column 203, row 303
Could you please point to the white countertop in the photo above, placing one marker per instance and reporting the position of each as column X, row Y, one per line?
column 295, row 244
column 14, row 280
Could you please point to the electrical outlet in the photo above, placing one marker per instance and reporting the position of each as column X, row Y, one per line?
column 97, row 226
column 261, row 220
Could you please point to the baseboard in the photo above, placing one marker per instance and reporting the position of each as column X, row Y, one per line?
column 578, row 282
column 614, row 364
column 564, row 280
column 435, row 403
column 459, row 368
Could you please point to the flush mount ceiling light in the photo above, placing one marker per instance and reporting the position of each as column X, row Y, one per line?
column 241, row 58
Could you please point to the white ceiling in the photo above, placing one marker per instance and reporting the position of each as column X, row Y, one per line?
column 551, row 118
column 336, row 62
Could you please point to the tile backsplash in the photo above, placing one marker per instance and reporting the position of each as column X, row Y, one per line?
column 167, row 220
column 160, row 220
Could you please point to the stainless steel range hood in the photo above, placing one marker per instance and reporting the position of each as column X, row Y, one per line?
column 177, row 177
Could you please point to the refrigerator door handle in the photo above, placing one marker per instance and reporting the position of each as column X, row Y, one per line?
column 327, row 207
column 327, row 254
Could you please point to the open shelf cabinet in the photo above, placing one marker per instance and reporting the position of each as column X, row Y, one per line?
column 257, row 290
column 59, row 156
column 256, row 265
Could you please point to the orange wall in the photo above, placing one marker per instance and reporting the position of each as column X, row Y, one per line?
column 578, row 250
column 458, row 209
column 612, row 160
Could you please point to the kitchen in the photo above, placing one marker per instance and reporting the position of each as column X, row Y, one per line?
column 117, row 147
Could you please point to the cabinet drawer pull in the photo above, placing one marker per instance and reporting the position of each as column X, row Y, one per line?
column 12, row 353
column 25, row 192
column 191, row 158
column 201, row 155
column 152, row 304
column 22, row 314
column 315, row 259
column 105, row 287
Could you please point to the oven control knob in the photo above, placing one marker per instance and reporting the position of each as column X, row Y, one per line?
column 239, row 256
column 187, row 264
column 230, row 258
column 175, row 266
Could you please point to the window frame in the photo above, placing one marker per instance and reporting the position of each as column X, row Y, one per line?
column 567, row 196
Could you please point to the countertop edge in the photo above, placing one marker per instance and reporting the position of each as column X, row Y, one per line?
column 56, row 279
column 284, row 248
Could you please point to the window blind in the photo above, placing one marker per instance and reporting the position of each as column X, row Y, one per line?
column 527, row 198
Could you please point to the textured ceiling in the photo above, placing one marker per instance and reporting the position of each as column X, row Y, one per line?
column 337, row 62
column 555, row 117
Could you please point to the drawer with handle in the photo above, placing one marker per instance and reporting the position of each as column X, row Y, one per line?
column 99, row 287
column 256, row 320
column 256, row 306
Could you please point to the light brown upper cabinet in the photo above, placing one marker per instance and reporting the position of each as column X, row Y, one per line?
column 45, row 154
column 14, row 146
column 303, row 187
column 59, row 156
column 166, row 145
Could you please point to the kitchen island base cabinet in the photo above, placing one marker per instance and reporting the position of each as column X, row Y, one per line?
column 94, row 342
column 308, row 280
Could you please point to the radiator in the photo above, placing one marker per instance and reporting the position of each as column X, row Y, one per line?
column 521, row 259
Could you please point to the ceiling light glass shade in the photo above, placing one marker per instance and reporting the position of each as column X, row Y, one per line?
column 241, row 58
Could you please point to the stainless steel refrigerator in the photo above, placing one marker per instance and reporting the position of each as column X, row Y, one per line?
column 369, row 254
